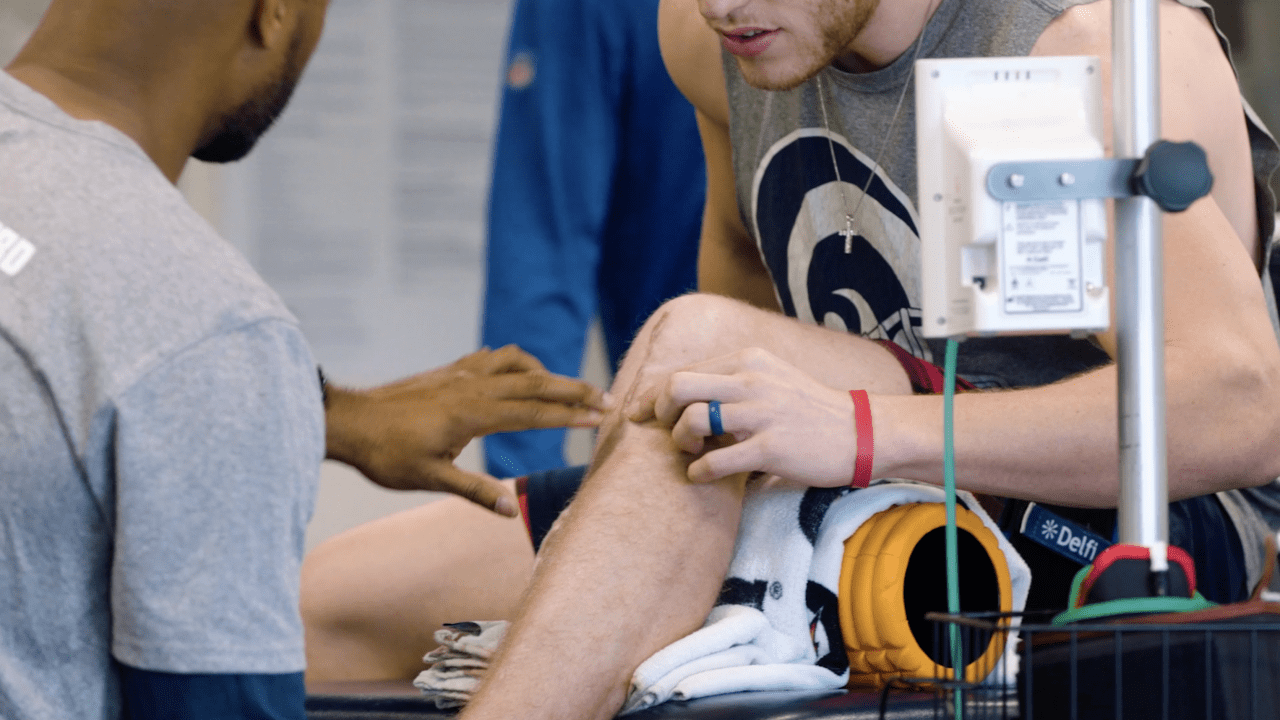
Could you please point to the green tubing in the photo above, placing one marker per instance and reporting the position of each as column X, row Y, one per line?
column 949, row 478
column 1079, row 612
column 1101, row 611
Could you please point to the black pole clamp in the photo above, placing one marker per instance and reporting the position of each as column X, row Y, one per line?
column 1174, row 175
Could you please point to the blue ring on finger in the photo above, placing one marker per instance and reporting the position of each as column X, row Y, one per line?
column 713, row 412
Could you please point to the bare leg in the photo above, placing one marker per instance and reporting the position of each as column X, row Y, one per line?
column 639, row 557
column 373, row 597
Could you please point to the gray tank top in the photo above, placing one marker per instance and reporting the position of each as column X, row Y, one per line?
column 790, row 201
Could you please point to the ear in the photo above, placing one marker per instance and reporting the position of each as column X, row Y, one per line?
column 273, row 21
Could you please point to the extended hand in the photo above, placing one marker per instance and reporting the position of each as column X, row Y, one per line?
column 780, row 420
column 406, row 435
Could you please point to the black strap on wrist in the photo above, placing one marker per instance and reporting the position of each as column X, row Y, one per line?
column 324, row 386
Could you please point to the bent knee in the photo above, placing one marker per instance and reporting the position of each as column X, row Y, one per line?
column 698, row 326
column 701, row 312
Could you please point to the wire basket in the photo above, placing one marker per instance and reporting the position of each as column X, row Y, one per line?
column 1221, row 664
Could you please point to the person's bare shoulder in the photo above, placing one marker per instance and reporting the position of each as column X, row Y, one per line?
column 1081, row 30
column 1198, row 88
column 691, row 52
column 1199, row 94
column 1184, row 33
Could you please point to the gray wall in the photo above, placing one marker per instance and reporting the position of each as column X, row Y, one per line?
column 17, row 19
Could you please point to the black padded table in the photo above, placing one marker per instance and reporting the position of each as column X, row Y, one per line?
column 402, row 701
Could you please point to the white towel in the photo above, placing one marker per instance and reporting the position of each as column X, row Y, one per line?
column 460, row 661
column 776, row 626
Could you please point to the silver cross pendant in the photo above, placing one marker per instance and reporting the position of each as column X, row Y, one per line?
column 847, row 233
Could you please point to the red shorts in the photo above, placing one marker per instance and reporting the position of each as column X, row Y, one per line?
column 926, row 378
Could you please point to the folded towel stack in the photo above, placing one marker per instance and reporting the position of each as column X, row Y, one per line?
column 458, row 664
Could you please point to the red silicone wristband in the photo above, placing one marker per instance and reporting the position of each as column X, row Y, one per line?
column 866, row 440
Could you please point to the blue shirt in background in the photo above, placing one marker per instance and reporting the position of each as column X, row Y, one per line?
column 596, row 200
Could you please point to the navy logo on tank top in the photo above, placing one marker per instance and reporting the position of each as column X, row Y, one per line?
column 799, row 212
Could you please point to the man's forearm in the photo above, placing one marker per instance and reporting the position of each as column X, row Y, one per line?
column 1060, row 443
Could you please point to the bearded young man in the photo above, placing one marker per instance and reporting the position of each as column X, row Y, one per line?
column 787, row 91
column 161, row 419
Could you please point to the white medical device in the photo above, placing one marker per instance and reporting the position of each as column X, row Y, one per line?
column 1011, row 242
column 1012, row 177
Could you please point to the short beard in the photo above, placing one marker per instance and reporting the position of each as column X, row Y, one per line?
column 836, row 40
column 240, row 129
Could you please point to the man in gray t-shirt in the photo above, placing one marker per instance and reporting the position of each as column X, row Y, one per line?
column 161, row 419
column 161, row 425
column 160, row 416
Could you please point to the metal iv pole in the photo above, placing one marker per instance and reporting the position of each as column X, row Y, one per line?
column 1143, row 513
column 1165, row 177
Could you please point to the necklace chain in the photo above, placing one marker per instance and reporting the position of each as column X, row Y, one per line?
column 848, row 232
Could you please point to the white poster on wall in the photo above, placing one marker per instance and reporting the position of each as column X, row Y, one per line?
column 364, row 205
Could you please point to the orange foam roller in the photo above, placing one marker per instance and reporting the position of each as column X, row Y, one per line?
column 893, row 572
